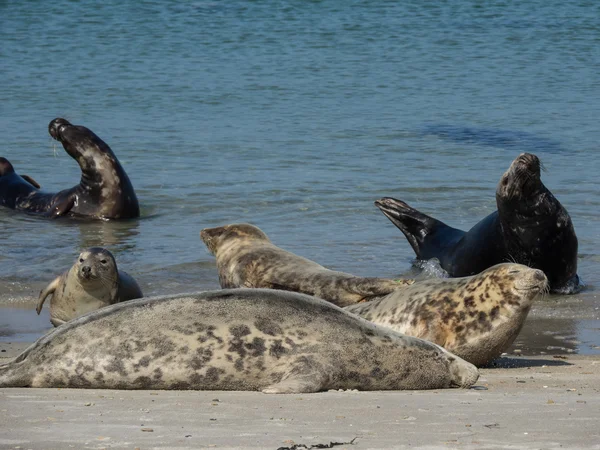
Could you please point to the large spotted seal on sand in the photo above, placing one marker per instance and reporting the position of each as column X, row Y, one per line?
column 93, row 282
column 239, row 339
column 104, row 191
column 247, row 258
column 530, row 227
column 476, row 318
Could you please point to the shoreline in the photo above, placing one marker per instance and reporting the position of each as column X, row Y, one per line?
column 535, row 402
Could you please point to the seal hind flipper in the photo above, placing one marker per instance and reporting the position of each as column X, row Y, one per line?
column 31, row 181
column 422, row 231
column 45, row 293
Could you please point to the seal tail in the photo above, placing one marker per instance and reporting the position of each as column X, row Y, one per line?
column 420, row 229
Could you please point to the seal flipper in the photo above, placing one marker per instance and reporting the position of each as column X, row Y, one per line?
column 427, row 236
column 296, row 384
column 305, row 376
column 31, row 181
column 61, row 207
column 45, row 293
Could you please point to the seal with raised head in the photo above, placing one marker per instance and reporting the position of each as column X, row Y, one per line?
column 104, row 191
column 476, row 318
column 247, row 258
column 239, row 339
column 93, row 282
column 530, row 227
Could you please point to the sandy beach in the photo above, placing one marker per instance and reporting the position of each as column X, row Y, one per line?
column 519, row 403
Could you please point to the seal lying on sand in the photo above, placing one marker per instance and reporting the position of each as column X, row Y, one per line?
column 247, row 258
column 530, row 227
column 241, row 339
column 104, row 191
column 476, row 318
column 93, row 282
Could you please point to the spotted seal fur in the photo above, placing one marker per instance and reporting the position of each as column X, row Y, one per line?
column 104, row 191
column 247, row 258
column 530, row 227
column 476, row 317
column 240, row 339
column 94, row 281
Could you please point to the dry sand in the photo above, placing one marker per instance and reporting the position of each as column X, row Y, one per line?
column 535, row 403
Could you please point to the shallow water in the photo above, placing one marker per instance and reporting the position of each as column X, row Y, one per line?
column 295, row 117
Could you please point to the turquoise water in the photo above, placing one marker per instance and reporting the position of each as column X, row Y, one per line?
column 296, row 116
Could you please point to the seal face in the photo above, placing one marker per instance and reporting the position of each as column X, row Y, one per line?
column 91, row 283
column 247, row 258
column 104, row 191
column 476, row 318
column 530, row 227
column 241, row 339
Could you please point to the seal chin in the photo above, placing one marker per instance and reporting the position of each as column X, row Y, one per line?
column 56, row 127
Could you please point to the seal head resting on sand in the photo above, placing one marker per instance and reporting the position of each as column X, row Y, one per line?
column 247, row 258
column 241, row 339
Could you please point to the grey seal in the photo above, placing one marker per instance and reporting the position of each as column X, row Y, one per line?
column 247, row 258
column 104, row 191
column 476, row 318
column 93, row 282
column 240, row 339
column 530, row 227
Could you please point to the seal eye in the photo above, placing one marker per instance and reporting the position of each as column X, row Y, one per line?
column 103, row 261
column 80, row 259
column 512, row 272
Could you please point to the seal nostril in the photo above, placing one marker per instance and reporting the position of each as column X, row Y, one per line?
column 86, row 269
column 539, row 275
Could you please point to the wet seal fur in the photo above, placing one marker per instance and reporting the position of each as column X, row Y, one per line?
column 243, row 339
column 247, row 258
column 104, row 191
column 93, row 282
column 476, row 318
column 530, row 227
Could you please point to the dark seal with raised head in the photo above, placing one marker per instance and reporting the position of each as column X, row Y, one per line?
column 104, row 191
column 247, row 258
column 234, row 339
column 530, row 227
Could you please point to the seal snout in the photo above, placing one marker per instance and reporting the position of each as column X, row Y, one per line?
column 57, row 126
column 86, row 272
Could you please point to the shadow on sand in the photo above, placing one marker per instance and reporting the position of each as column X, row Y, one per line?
column 520, row 363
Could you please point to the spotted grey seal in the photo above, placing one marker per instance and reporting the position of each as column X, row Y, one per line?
column 247, row 258
column 104, row 191
column 530, row 227
column 476, row 318
column 238, row 339
column 93, row 282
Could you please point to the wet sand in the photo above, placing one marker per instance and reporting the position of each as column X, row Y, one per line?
column 539, row 402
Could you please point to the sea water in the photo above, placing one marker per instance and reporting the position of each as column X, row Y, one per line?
column 295, row 116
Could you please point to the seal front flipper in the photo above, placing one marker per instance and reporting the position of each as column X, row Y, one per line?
column 427, row 236
column 305, row 376
column 61, row 207
column 31, row 181
column 45, row 293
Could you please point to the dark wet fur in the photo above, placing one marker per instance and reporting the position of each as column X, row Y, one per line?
column 530, row 227
column 99, row 194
